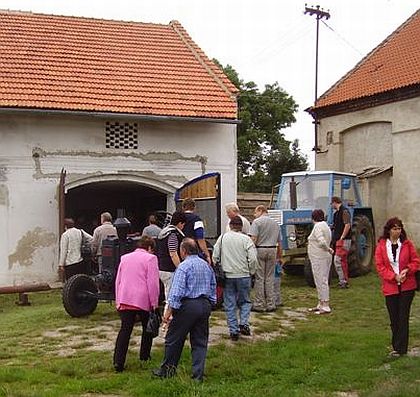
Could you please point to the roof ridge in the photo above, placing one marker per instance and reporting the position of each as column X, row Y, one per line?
column 365, row 59
column 41, row 14
column 214, row 71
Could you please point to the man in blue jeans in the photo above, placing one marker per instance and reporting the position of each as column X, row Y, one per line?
column 238, row 257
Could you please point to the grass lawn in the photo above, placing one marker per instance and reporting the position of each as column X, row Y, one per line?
column 342, row 354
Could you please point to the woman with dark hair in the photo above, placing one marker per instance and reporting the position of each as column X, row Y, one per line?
column 397, row 262
column 319, row 253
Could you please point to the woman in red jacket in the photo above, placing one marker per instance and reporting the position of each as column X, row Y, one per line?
column 396, row 263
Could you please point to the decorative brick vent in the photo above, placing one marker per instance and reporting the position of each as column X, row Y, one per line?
column 121, row 135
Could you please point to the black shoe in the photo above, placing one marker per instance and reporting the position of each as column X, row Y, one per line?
column 271, row 310
column 245, row 330
column 234, row 337
column 257, row 309
column 118, row 368
column 163, row 372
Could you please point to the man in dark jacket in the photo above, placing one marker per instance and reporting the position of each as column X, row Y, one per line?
column 168, row 249
column 341, row 240
column 194, row 228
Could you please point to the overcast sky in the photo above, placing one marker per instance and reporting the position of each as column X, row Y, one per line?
column 264, row 40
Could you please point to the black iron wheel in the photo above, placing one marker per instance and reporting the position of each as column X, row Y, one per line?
column 80, row 295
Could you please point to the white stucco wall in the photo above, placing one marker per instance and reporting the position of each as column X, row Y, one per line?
column 386, row 135
column 35, row 148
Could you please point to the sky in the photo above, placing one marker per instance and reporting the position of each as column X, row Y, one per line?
column 266, row 41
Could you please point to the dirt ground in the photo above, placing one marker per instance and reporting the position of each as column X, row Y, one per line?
column 264, row 326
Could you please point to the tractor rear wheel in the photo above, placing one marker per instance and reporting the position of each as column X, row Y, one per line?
column 360, row 257
column 80, row 295
column 292, row 270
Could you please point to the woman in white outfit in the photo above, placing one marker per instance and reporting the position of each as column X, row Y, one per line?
column 320, row 255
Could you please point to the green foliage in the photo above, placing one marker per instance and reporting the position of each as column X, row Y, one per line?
column 263, row 151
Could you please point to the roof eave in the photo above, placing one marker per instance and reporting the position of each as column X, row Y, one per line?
column 366, row 102
column 146, row 117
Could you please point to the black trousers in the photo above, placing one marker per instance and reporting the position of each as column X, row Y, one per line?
column 399, row 313
column 75, row 268
column 192, row 318
column 128, row 318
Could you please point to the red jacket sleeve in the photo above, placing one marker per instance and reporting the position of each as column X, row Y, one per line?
column 383, row 266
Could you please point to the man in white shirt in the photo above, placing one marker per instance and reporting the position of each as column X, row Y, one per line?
column 71, row 261
column 232, row 210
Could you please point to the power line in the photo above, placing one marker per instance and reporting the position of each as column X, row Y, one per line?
column 343, row 39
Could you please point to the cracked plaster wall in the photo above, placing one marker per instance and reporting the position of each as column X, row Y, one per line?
column 35, row 149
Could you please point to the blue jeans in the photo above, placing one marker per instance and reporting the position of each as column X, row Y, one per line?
column 236, row 296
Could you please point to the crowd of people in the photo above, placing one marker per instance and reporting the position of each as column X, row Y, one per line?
column 175, row 262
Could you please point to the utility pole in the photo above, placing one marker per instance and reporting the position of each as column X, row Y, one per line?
column 319, row 14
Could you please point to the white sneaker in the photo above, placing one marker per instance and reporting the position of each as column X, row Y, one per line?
column 323, row 310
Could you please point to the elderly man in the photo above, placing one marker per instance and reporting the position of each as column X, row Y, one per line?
column 265, row 233
column 100, row 233
column 152, row 230
column 237, row 255
column 191, row 296
column 232, row 210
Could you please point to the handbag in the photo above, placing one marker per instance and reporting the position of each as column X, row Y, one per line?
column 153, row 324
column 218, row 269
column 85, row 248
column 417, row 275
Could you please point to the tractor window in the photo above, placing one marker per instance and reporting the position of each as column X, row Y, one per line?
column 344, row 191
column 312, row 192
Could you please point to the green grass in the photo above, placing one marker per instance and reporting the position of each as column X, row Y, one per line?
column 322, row 356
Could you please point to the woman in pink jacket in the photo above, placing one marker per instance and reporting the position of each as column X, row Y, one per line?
column 396, row 262
column 136, row 294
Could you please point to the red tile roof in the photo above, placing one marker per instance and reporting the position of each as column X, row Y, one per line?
column 83, row 64
column 394, row 64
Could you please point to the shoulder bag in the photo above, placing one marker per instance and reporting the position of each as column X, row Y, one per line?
column 218, row 270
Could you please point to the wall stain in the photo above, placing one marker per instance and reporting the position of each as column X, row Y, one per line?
column 28, row 244
column 4, row 195
column 38, row 153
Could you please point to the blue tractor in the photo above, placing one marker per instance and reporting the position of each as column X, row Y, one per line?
column 298, row 195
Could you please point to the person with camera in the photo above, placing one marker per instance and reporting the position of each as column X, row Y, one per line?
column 238, row 257
column 136, row 294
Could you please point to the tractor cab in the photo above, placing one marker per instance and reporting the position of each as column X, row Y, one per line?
column 299, row 194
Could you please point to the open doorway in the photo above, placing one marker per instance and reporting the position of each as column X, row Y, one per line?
column 85, row 203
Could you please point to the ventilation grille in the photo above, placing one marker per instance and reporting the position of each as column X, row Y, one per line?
column 121, row 135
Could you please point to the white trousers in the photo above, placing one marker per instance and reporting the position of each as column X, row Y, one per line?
column 321, row 271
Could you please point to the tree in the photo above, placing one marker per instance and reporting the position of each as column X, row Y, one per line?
column 263, row 152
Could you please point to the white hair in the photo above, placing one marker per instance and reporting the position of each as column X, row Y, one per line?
column 232, row 207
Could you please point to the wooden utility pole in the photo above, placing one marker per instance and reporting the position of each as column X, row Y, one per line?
column 319, row 14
